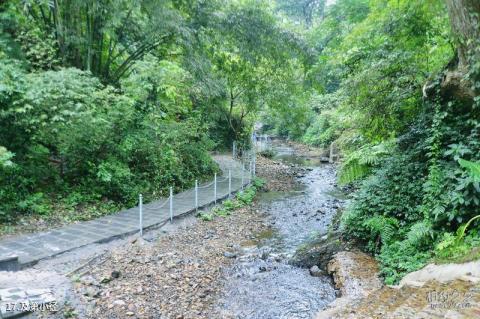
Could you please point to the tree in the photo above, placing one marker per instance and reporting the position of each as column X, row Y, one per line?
column 465, row 21
column 254, row 56
column 102, row 36
column 307, row 10
column 463, row 79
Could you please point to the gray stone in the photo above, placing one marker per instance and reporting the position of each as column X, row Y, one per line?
column 318, row 252
column 92, row 292
column 119, row 302
column 316, row 272
column 9, row 263
column 12, row 294
column 229, row 254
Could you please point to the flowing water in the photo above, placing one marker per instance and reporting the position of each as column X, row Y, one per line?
column 262, row 283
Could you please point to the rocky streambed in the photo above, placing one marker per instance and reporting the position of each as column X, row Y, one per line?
column 268, row 279
column 239, row 266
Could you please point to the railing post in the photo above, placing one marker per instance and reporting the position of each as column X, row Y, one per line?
column 196, row 195
column 229, row 183
column 234, row 149
column 215, row 188
column 250, row 167
column 171, row 203
column 243, row 168
column 140, row 212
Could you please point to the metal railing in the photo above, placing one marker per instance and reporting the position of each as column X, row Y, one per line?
column 247, row 173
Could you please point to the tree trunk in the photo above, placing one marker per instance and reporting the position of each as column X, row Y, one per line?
column 465, row 20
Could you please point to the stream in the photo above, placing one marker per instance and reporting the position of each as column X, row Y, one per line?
column 262, row 283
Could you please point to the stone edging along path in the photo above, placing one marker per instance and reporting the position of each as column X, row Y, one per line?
column 30, row 248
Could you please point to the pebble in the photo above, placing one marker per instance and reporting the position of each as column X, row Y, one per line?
column 92, row 292
column 119, row 302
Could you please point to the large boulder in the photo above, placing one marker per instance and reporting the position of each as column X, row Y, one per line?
column 318, row 252
column 355, row 274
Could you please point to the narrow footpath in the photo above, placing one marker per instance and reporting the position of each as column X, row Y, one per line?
column 30, row 248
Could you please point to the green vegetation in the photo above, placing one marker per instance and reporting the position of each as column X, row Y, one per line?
column 395, row 85
column 268, row 153
column 242, row 198
column 103, row 100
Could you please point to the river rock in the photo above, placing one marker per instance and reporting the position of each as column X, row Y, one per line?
column 228, row 254
column 119, row 302
column 262, row 268
column 319, row 252
column 92, row 292
column 316, row 272
column 435, row 291
column 354, row 273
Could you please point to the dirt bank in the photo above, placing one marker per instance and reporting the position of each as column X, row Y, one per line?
column 279, row 176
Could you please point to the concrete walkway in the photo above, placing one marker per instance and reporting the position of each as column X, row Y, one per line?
column 31, row 248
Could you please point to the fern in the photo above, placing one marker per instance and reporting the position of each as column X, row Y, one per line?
column 474, row 170
column 385, row 227
column 359, row 163
column 461, row 230
column 419, row 232
column 472, row 167
column 5, row 157
column 352, row 171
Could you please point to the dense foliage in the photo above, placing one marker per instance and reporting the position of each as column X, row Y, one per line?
column 379, row 90
column 103, row 100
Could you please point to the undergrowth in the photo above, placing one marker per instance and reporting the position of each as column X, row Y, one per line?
column 242, row 198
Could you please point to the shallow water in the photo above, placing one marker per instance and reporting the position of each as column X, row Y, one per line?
column 262, row 283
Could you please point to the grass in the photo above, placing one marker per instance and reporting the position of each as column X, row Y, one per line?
column 241, row 199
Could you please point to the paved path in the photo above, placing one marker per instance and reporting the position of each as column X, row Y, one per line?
column 31, row 248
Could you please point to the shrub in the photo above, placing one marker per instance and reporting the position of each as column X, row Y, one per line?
column 393, row 191
column 246, row 196
column 74, row 135
column 400, row 258
column 325, row 129
column 206, row 217
column 268, row 153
